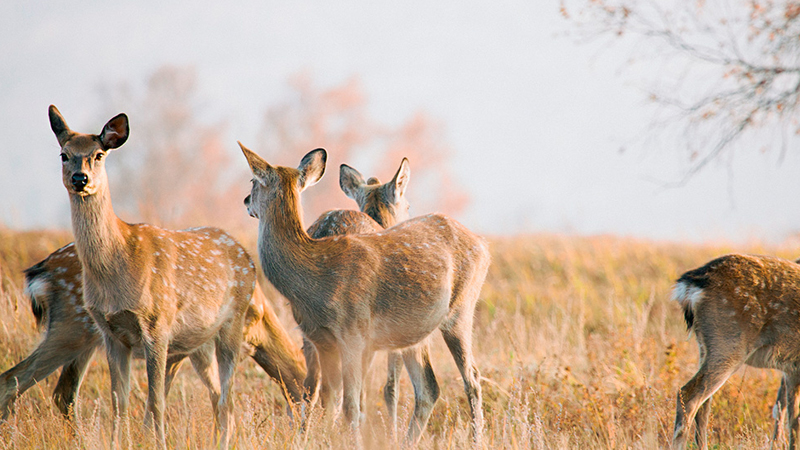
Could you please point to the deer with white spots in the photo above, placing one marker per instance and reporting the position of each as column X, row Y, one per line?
column 382, row 206
column 355, row 294
column 55, row 288
column 170, row 294
column 743, row 310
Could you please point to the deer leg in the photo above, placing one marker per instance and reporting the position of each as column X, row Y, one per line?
column 458, row 337
column 69, row 382
column 119, row 367
column 352, row 354
column 779, row 414
column 155, row 353
column 712, row 375
column 426, row 389
column 227, row 346
column 312, row 380
column 43, row 361
column 366, row 363
column 792, row 400
column 701, row 424
column 173, row 365
column 331, row 380
column 205, row 364
column 394, row 364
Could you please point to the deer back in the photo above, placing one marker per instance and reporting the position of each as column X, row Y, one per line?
column 743, row 298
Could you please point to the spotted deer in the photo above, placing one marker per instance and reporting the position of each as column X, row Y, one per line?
column 382, row 206
column 354, row 294
column 55, row 289
column 171, row 294
column 743, row 310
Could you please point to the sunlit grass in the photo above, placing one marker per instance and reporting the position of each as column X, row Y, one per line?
column 576, row 337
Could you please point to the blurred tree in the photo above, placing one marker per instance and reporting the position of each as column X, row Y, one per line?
column 177, row 171
column 720, row 69
column 337, row 119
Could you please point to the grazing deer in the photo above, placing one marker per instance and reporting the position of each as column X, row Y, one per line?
column 743, row 310
column 354, row 294
column 382, row 206
column 55, row 289
column 170, row 293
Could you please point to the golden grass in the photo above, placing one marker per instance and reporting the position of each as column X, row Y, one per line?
column 576, row 337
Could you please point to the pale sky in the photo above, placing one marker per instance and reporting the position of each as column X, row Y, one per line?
column 536, row 121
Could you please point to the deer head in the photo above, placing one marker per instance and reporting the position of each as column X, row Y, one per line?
column 386, row 203
column 83, row 155
column 266, row 180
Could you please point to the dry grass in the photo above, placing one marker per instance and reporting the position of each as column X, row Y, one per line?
column 576, row 337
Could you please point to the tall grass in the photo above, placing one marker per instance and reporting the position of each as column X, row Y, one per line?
column 576, row 338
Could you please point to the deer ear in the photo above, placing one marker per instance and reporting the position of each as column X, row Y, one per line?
column 397, row 187
column 257, row 164
column 115, row 132
column 351, row 181
column 59, row 125
column 312, row 167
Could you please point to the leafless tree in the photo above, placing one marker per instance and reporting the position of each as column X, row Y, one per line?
column 722, row 71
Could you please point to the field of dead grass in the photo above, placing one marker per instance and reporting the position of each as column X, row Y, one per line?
column 576, row 337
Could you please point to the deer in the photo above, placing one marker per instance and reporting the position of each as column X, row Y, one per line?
column 354, row 294
column 743, row 310
column 169, row 294
column 55, row 289
column 381, row 206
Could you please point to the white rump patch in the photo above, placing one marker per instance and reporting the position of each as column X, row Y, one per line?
column 36, row 288
column 684, row 293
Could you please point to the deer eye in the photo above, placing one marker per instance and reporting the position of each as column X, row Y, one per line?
column 64, row 157
column 99, row 156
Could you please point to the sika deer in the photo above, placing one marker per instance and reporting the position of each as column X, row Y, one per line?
column 55, row 288
column 171, row 293
column 352, row 295
column 743, row 310
column 382, row 206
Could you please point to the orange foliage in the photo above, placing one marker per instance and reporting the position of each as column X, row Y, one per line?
column 337, row 119
column 177, row 171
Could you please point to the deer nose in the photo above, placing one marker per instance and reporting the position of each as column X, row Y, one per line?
column 79, row 181
column 247, row 201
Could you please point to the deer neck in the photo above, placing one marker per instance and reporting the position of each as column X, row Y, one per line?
column 99, row 236
column 290, row 258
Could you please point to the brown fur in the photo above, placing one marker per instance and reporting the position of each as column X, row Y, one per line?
column 55, row 287
column 170, row 294
column 355, row 294
column 744, row 310
column 382, row 206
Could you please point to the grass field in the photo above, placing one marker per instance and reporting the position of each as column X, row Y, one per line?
column 577, row 338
